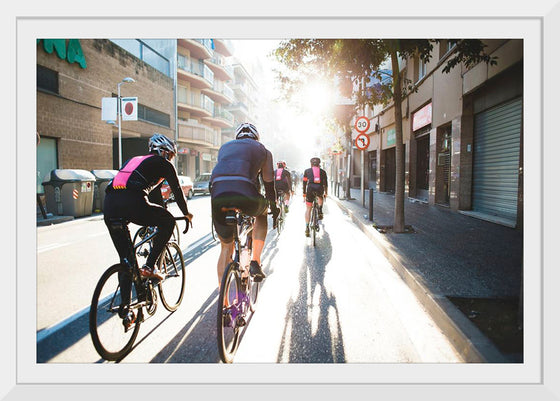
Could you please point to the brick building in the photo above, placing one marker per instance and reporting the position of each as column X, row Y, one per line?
column 69, row 97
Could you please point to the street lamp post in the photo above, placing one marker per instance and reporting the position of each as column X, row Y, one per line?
column 119, row 109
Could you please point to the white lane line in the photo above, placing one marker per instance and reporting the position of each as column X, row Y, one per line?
column 51, row 247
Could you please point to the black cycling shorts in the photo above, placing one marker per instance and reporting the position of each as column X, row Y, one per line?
column 313, row 190
column 281, row 186
column 239, row 194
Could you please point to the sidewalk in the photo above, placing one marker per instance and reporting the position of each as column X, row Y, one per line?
column 449, row 257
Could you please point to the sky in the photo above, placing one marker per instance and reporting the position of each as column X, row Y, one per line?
column 291, row 135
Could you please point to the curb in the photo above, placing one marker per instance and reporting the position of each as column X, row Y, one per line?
column 468, row 340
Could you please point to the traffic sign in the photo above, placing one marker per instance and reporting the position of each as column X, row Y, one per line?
column 362, row 141
column 362, row 124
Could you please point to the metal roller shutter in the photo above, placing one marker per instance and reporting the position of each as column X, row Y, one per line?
column 497, row 134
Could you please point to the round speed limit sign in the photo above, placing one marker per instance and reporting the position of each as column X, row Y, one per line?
column 362, row 124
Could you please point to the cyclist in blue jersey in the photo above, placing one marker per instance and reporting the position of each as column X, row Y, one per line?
column 235, row 183
column 314, row 186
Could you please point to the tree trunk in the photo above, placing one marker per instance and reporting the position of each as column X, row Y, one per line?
column 398, row 224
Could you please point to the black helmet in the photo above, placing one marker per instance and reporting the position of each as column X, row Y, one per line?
column 247, row 130
column 315, row 161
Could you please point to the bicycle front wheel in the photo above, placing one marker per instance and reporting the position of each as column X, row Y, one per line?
column 229, row 308
column 143, row 250
column 172, row 265
column 108, row 334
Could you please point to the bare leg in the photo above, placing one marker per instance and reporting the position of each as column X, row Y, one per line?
column 226, row 254
column 307, row 213
column 259, row 236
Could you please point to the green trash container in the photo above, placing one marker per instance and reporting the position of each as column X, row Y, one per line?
column 102, row 179
column 69, row 192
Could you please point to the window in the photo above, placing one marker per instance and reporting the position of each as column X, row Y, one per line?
column 445, row 45
column 153, row 116
column 422, row 69
column 47, row 79
column 46, row 160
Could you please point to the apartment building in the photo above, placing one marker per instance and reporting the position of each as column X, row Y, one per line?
column 462, row 134
column 203, row 97
column 183, row 88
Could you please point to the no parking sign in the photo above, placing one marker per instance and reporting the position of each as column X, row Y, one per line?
column 129, row 108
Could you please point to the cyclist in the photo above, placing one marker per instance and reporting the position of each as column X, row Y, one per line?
column 314, row 186
column 235, row 183
column 283, row 182
column 135, row 194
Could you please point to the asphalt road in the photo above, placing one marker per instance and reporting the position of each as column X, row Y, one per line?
column 340, row 302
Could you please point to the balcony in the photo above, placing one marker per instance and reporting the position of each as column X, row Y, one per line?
column 220, row 93
column 224, row 46
column 198, row 105
column 194, row 133
column 219, row 67
column 196, row 72
column 221, row 118
column 239, row 108
column 198, row 48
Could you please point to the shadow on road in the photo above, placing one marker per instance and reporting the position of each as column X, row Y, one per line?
column 310, row 319
column 76, row 327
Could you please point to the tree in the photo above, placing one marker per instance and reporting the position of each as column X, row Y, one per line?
column 355, row 63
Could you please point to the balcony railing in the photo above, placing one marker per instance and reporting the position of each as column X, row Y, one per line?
column 207, row 43
column 224, row 114
column 193, row 132
column 195, row 67
column 194, row 99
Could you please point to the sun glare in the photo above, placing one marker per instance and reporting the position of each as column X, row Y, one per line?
column 318, row 97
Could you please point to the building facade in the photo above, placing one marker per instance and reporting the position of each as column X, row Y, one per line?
column 462, row 134
column 183, row 88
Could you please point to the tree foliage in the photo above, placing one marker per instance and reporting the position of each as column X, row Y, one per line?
column 359, row 67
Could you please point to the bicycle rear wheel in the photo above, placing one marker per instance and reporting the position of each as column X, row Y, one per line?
column 314, row 223
column 106, row 328
column 229, row 306
column 172, row 265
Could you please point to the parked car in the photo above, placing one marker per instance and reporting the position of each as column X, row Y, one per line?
column 186, row 185
column 201, row 184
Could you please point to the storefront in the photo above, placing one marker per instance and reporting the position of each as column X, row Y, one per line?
column 497, row 136
column 421, row 127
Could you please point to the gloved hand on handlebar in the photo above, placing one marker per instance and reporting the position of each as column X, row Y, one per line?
column 188, row 222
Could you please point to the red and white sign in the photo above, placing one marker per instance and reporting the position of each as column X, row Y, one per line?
column 75, row 194
column 362, row 141
column 362, row 124
column 422, row 117
column 129, row 108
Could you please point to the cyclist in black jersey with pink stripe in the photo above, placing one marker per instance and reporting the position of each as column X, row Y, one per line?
column 314, row 186
column 135, row 195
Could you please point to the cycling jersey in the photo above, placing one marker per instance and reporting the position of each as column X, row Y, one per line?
column 314, row 183
column 130, row 195
column 243, row 160
column 235, row 182
column 282, row 180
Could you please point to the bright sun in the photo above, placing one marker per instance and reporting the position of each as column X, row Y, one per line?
column 317, row 97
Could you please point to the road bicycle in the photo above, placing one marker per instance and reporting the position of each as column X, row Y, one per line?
column 123, row 299
column 314, row 221
column 238, row 292
column 282, row 215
